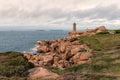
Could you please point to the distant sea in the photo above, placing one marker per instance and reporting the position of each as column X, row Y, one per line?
column 25, row 40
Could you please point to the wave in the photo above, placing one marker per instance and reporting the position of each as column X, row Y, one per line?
column 32, row 50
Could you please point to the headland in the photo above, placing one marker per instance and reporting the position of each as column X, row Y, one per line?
column 88, row 55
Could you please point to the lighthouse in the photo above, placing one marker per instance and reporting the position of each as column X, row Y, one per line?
column 74, row 27
column 73, row 32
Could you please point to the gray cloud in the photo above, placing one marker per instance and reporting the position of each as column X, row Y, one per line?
column 59, row 12
column 109, row 13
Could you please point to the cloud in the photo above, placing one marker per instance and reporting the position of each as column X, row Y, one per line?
column 62, row 12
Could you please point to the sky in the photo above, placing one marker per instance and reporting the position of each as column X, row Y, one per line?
column 58, row 14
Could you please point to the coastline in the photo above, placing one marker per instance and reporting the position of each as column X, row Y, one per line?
column 69, row 57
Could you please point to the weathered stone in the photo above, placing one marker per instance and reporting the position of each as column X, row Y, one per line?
column 54, row 46
column 27, row 55
column 100, row 29
column 41, row 73
column 76, row 58
column 43, row 49
column 85, row 56
column 42, row 43
column 77, row 42
column 34, row 57
column 62, row 48
column 48, row 60
column 75, row 50
column 82, row 62
column 61, row 53
column 40, row 63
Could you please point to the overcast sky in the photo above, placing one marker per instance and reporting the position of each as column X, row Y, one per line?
column 59, row 14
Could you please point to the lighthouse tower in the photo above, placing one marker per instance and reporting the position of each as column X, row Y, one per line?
column 74, row 27
column 73, row 32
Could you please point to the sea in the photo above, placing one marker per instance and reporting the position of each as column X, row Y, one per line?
column 22, row 41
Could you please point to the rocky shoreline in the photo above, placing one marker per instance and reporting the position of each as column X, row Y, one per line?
column 64, row 52
column 60, row 53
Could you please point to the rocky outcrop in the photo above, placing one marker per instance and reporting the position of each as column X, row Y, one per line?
column 88, row 31
column 43, row 73
column 60, row 53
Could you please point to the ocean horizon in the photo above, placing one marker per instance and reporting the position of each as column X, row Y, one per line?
column 22, row 41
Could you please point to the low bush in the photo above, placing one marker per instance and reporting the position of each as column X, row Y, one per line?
column 102, row 33
column 14, row 64
column 117, row 31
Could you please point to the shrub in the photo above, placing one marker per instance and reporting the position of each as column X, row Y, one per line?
column 14, row 64
column 102, row 33
column 117, row 31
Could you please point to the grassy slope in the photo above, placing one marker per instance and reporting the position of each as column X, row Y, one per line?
column 105, row 63
column 13, row 66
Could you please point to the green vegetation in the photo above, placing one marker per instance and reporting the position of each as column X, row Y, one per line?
column 117, row 31
column 13, row 64
column 102, row 42
column 100, row 77
column 105, row 64
column 102, row 33
column 54, row 69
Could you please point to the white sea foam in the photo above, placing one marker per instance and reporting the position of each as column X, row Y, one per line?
column 32, row 50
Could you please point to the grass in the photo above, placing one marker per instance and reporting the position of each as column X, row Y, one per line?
column 54, row 69
column 105, row 63
column 102, row 42
column 14, row 64
column 100, row 77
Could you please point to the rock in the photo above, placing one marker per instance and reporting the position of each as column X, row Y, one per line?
column 43, row 49
column 60, row 53
column 27, row 55
column 82, row 62
column 76, row 42
column 54, row 46
column 67, row 43
column 43, row 43
column 42, row 73
column 63, row 64
column 75, row 50
column 65, row 39
column 73, row 39
column 81, row 58
column 111, row 32
column 34, row 57
column 76, row 58
column 67, row 55
column 62, row 48
column 40, row 63
column 56, row 60
column 66, row 64
column 85, row 56
column 100, row 29
column 48, row 60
